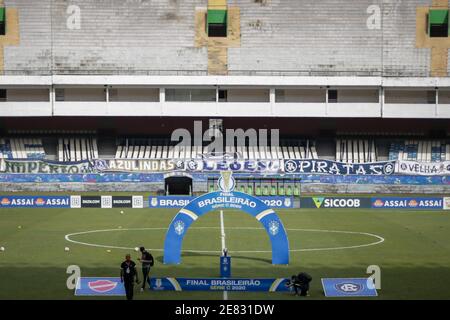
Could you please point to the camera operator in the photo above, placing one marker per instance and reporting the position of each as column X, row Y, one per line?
column 300, row 282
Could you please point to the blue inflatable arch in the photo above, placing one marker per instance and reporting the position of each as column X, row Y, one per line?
column 220, row 200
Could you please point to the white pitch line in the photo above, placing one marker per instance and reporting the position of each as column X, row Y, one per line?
column 379, row 240
column 222, row 235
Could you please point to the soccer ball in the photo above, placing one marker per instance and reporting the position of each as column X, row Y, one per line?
column 19, row 227
column 2, row 249
column 136, row 249
column 66, row 249
column 108, row 251
column 121, row 211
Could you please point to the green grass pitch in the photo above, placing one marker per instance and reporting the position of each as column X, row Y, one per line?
column 414, row 258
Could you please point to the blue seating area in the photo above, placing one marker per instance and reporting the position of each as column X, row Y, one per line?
column 420, row 150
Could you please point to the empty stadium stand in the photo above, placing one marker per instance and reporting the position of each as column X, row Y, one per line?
column 420, row 150
column 77, row 149
column 356, row 150
column 162, row 149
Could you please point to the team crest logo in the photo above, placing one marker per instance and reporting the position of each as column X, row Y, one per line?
column 154, row 202
column 287, row 202
column 389, row 168
column 158, row 283
column 5, row 202
column 179, row 227
column 274, row 227
column 192, row 165
column 349, row 287
column 99, row 165
column 226, row 181
column 179, row 165
column 102, row 286
column 290, row 166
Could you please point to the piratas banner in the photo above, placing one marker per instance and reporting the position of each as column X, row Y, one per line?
column 338, row 168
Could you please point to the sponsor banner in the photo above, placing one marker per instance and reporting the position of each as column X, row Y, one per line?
column 335, row 202
column 182, row 201
column 278, row 202
column 122, row 202
column 446, row 203
column 34, row 202
column 351, row 287
column 91, row 201
column 74, row 202
column 408, row 203
column 87, row 286
column 169, row 201
column 423, row 168
column 338, row 168
column 218, row 284
column 138, row 202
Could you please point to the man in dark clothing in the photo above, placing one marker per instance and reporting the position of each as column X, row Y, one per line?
column 127, row 275
column 300, row 282
column 304, row 279
column 147, row 262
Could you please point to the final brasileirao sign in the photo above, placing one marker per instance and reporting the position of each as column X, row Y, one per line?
column 226, row 198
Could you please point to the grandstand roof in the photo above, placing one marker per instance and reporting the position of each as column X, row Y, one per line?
column 277, row 37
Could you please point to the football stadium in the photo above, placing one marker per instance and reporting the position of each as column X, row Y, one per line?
column 224, row 150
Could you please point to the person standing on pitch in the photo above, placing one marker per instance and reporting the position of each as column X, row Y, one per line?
column 127, row 275
column 147, row 262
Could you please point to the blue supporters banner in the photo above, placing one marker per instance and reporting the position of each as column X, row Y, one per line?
column 181, row 201
column 338, row 168
column 351, row 287
column 430, row 203
column 34, row 201
column 219, row 284
column 99, row 286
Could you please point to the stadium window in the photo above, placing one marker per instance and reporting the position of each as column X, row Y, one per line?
column 280, row 95
column 223, row 94
column 2, row 21
column 190, row 95
column 216, row 23
column 332, row 96
column 3, row 95
column 59, row 94
column 431, row 97
column 438, row 23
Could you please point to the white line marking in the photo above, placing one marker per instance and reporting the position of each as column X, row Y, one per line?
column 222, row 235
column 222, row 230
column 379, row 239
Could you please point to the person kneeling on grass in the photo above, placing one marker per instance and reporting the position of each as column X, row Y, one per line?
column 300, row 282
column 147, row 262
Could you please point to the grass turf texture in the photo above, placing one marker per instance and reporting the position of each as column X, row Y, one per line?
column 414, row 259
